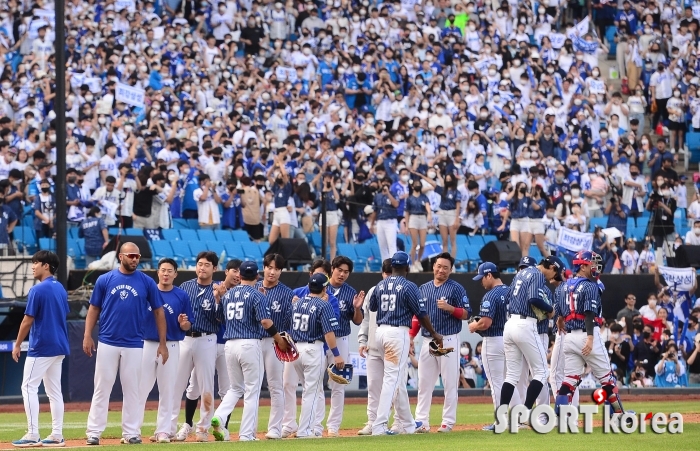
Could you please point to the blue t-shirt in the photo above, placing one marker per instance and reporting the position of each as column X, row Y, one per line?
column 282, row 194
column 91, row 229
column 449, row 200
column 175, row 303
column 7, row 217
column 416, row 205
column 47, row 303
column 123, row 300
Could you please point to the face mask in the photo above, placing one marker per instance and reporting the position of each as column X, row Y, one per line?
column 345, row 164
column 405, row 178
column 577, row 102
column 652, row 303
column 464, row 351
column 550, row 214
column 432, row 174
column 646, row 335
column 45, row 190
column 567, row 198
column 557, row 103
column 676, row 94
column 603, row 135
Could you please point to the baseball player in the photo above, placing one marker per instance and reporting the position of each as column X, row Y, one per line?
column 120, row 301
column 45, row 323
column 177, row 309
column 556, row 361
column 580, row 311
column 349, row 302
column 528, row 292
column 396, row 300
column 198, row 349
column 247, row 323
column 280, row 301
column 232, row 278
column 313, row 322
column 290, row 378
column 447, row 305
column 493, row 312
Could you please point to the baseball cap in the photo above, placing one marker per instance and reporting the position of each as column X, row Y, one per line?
column 248, row 269
column 485, row 268
column 400, row 259
column 556, row 263
column 526, row 262
column 318, row 281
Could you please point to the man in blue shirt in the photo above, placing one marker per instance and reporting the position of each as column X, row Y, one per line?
column 120, row 301
column 45, row 323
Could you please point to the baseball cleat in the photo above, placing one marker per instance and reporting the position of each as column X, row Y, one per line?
column 53, row 442
column 93, row 440
column 445, row 428
column 422, row 428
column 287, row 433
column 162, row 437
column 183, row 433
column 28, row 441
column 367, row 430
column 153, row 439
column 489, row 427
column 333, row 433
column 390, row 432
column 131, row 440
column 202, row 436
column 244, row 439
column 272, row 435
column 217, row 430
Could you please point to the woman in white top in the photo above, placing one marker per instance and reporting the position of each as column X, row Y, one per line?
column 637, row 105
column 629, row 258
column 676, row 119
column 693, row 212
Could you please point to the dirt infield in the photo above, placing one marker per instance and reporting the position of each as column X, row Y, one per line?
column 153, row 405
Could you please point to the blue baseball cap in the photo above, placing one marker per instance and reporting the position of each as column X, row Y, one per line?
column 556, row 262
column 249, row 269
column 400, row 259
column 526, row 261
column 485, row 268
column 318, row 281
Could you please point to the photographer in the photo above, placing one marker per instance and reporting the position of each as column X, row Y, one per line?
column 670, row 372
column 662, row 207
column 617, row 213
column 647, row 350
column 619, row 349
column 639, row 378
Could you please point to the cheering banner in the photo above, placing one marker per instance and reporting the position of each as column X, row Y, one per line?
column 679, row 279
column 574, row 241
column 130, row 95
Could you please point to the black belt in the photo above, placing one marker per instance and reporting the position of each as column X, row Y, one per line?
column 196, row 334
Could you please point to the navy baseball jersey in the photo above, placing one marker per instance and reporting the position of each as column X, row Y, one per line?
column 528, row 284
column 175, row 302
column 345, row 295
column 396, row 300
column 245, row 307
column 449, row 200
column 47, row 303
column 123, row 300
column 443, row 322
column 415, row 205
column 559, row 294
column 332, row 300
column 581, row 296
column 207, row 315
column 312, row 318
column 494, row 305
column 279, row 299
column 383, row 207
column 220, row 334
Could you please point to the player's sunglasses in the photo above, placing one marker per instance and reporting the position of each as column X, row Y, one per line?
column 132, row 256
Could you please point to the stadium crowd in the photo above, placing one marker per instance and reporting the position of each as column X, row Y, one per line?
column 409, row 117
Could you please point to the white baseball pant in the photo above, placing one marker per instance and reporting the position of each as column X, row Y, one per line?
column 556, row 369
column 309, row 368
column 245, row 363
column 575, row 361
column 192, row 391
column 127, row 361
column 394, row 343
column 521, row 388
column 375, row 373
column 290, row 383
column 494, row 360
column 335, row 416
column 429, row 369
column 151, row 371
column 274, row 370
column 198, row 353
column 36, row 370
column 521, row 341
column 386, row 237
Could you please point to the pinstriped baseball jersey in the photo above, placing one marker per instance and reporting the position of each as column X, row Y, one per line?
column 332, row 300
column 543, row 326
column 559, row 293
column 345, row 294
column 528, row 284
column 443, row 322
column 396, row 300
column 581, row 296
column 279, row 299
column 207, row 316
column 494, row 305
column 245, row 307
column 312, row 318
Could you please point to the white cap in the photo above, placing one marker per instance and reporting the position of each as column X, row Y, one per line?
column 369, row 210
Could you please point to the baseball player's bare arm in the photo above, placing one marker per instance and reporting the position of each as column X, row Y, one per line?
column 561, row 324
column 427, row 325
column 357, row 302
column 184, row 322
column 443, row 304
column 269, row 327
column 90, row 321
column 330, row 341
column 483, row 324
column 159, row 315
column 24, row 329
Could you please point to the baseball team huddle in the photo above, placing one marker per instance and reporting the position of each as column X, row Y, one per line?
column 249, row 328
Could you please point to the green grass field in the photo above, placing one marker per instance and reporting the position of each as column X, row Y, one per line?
column 12, row 427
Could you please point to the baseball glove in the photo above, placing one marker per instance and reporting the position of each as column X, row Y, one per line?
column 541, row 314
column 438, row 351
column 475, row 319
column 291, row 354
column 340, row 376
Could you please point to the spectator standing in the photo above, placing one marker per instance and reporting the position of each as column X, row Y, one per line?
column 694, row 363
column 649, row 310
column 8, row 221
column 44, row 211
column 126, row 186
column 647, row 351
column 252, row 203
column 628, row 312
column 692, row 237
column 94, row 230
column 107, row 197
column 630, row 258
column 670, row 371
column 208, row 201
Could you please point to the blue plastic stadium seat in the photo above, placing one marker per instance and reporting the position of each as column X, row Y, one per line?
column 197, row 246
column 233, row 250
column 161, row 249
column 206, row 235
column 180, row 223
column 347, row 250
column 264, row 246
column 364, row 250
column 133, row 232
column 113, row 231
column 223, row 235
column 240, row 236
column 189, row 235
column 72, row 232
column 192, row 224
column 48, row 244
column 476, row 240
column 489, row 238
column 216, row 247
column 171, row 234
column 601, row 222
column 251, row 250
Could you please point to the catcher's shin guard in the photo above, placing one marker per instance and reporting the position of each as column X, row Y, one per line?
column 561, row 400
column 613, row 398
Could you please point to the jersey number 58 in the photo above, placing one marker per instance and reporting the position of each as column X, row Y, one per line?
column 388, row 302
column 301, row 322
